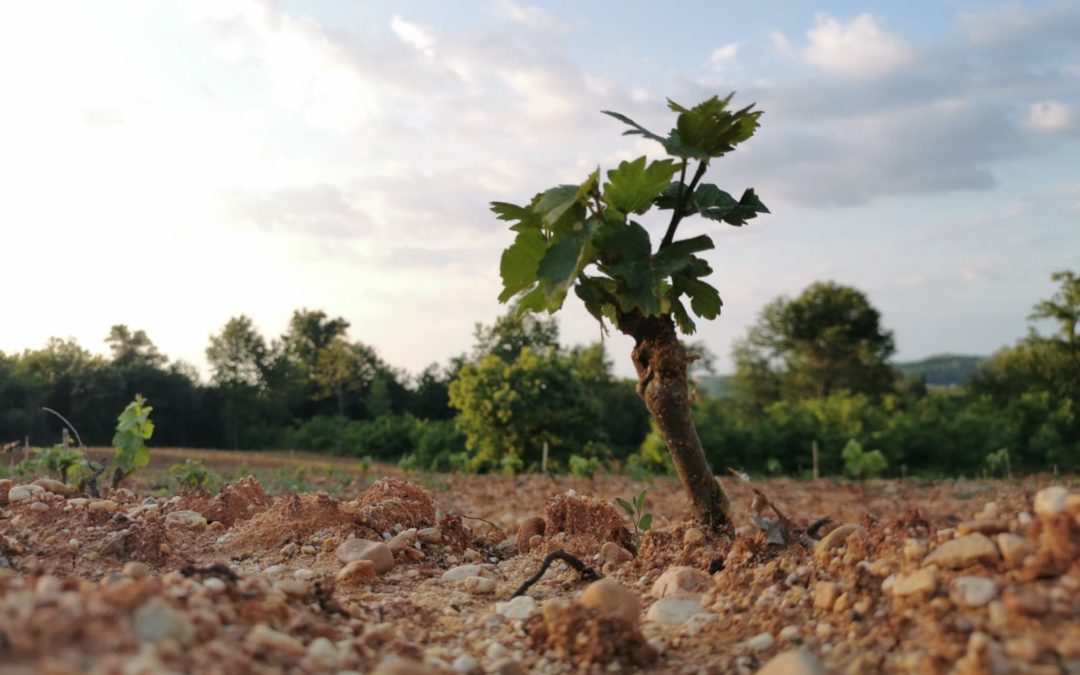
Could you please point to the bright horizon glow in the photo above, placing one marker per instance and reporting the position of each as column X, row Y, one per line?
column 170, row 164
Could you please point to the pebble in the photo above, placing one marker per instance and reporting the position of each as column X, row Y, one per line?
column 521, row 607
column 396, row 665
column 52, row 485
column 215, row 585
column 429, row 535
column 192, row 520
column 356, row 572
column 1048, row 501
column 102, row 505
column 920, row 582
column 693, row 536
column 303, row 574
column 790, row 634
column 1014, row 548
column 363, row 549
column 760, row 642
column 479, row 585
column 914, row 549
column 672, row 611
column 155, row 620
column 463, row 572
column 529, row 528
column 679, row 580
column 963, row 551
column 836, row 538
column 1025, row 600
column 973, row 591
column 323, row 652
column 40, row 507
column 506, row 666
column 825, row 594
column 18, row 493
column 612, row 599
column 464, row 664
column 402, row 540
column 611, row 552
column 792, row 662
column 262, row 636
column 136, row 569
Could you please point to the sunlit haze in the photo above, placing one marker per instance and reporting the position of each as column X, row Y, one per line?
column 168, row 165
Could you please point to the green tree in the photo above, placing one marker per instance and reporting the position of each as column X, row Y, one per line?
column 512, row 332
column 133, row 349
column 507, row 411
column 826, row 340
column 239, row 362
column 585, row 237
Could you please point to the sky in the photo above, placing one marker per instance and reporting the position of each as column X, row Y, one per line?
column 171, row 164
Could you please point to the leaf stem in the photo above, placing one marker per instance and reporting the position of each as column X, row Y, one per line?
column 677, row 216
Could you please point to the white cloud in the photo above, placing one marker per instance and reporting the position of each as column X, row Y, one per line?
column 1049, row 116
column 781, row 43
column 857, row 49
column 421, row 38
column 530, row 16
column 723, row 54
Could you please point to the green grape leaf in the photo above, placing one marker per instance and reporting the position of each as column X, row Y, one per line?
column 633, row 186
column 520, row 263
column 715, row 204
column 625, row 505
column 564, row 261
column 645, row 524
column 710, row 130
column 704, row 298
column 682, row 317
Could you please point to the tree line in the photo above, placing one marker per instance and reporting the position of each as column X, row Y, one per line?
column 813, row 369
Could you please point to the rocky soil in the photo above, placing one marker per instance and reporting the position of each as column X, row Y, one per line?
column 905, row 577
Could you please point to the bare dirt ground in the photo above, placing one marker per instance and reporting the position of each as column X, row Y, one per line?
column 414, row 574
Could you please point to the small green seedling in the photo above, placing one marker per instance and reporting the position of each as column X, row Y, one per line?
column 132, row 429
column 191, row 475
column 860, row 464
column 59, row 460
column 636, row 510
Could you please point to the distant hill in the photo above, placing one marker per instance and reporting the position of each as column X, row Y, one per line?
column 941, row 370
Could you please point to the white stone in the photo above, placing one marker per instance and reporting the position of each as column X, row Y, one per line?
column 521, row 607
column 792, row 662
column 156, row 620
column 463, row 572
column 479, row 585
column 679, row 580
column 464, row 664
column 18, row 493
column 192, row 520
column 1048, row 501
column 672, row 611
column 760, row 642
column 973, row 591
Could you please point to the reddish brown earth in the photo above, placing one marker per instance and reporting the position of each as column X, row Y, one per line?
column 906, row 577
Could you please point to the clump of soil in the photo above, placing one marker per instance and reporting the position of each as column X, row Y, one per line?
column 392, row 504
column 237, row 501
column 583, row 636
column 293, row 518
column 579, row 515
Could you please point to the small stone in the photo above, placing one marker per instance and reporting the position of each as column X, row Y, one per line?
column 52, row 485
column 679, row 580
column 536, row 541
column 693, row 536
column 155, row 620
column 429, row 535
column 982, row 526
column 102, row 505
column 1014, row 548
column 963, row 551
column 825, row 594
column 792, row 662
column 506, row 666
column 363, row 549
column 990, row 511
column 263, row 637
column 790, row 634
column 192, row 520
column 471, row 555
column 612, row 553
column 479, row 585
column 356, row 572
column 521, row 607
column 39, row 507
column 303, row 574
column 612, row 599
column 1050, row 501
column 402, row 540
column 136, row 569
column 1025, row 600
column 760, row 642
column 836, row 538
column 215, row 586
column 914, row 549
column 396, row 665
column 464, row 664
column 529, row 528
column 19, row 493
column 922, row 582
column 323, row 652
column 972, row 591
column 672, row 611
column 1023, row 649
